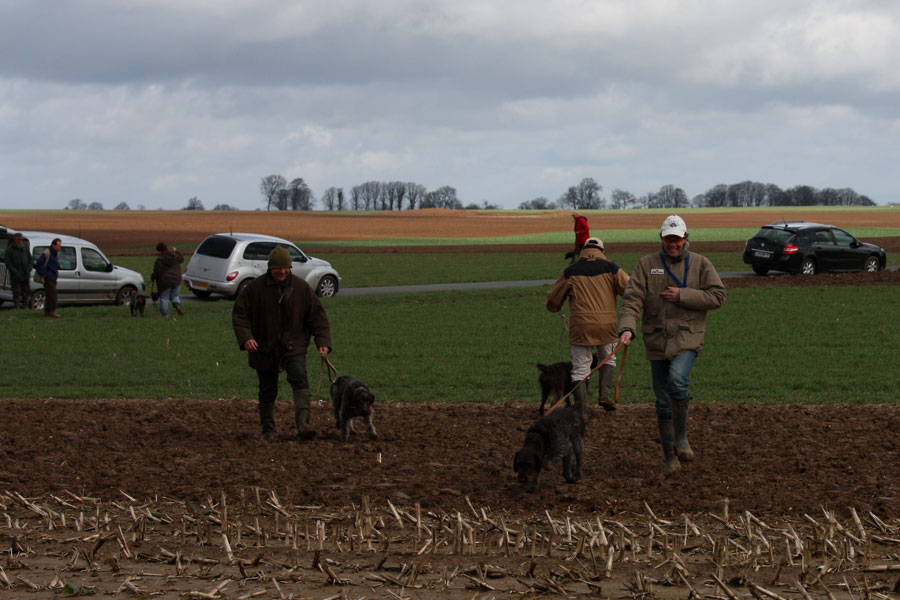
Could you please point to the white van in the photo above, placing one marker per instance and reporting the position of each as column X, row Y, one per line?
column 86, row 275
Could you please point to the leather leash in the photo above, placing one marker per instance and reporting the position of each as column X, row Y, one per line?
column 618, row 347
column 333, row 373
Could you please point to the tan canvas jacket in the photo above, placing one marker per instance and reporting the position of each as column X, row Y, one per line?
column 668, row 328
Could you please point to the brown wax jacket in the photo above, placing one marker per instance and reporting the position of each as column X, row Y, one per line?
column 282, row 318
column 670, row 328
column 591, row 285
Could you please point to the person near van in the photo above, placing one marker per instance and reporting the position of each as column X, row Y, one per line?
column 167, row 275
column 274, row 318
column 18, row 264
column 671, row 291
column 48, row 266
column 591, row 286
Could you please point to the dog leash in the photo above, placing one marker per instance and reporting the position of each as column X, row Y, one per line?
column 333, row 374
column 618, row 347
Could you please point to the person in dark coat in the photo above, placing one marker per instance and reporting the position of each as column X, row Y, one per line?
column 274, row 319
column 167, row 274
column 18, row 263
column 48, row 266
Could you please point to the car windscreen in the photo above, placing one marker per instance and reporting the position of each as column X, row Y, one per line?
column 775, row 235
column 216, row 246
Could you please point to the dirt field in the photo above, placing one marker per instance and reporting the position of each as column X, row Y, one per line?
column 179, row 499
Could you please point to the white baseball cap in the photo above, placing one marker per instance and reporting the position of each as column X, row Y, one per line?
column 594, row 241
column 673, row 225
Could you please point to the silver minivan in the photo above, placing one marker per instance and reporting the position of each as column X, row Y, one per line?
column 225, row 262
column 86, row 275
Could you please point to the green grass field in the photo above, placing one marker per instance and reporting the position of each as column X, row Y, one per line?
column 769, row 345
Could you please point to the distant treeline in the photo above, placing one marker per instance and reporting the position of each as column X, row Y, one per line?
column 278, row 194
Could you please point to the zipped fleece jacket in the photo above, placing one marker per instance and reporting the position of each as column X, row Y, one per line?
column 282, row 318
column 671, row 328
column 591, row 285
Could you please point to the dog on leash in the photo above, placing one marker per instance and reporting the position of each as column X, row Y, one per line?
column 559, row 435
column 556, row 381
column 352, row 399
column 137, row 303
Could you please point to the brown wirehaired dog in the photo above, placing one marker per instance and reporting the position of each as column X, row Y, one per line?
column 137, row 303
column 556, row 380
column 559, row 435
column 351, row 399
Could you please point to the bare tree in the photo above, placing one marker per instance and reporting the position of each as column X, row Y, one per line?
column 539, row 203
column 620, row 199
column 223, row 207
column 194, row 204
column 300, row 197
column 443, row 197
column 95, row 206
column 269, row 187
column 394, row 192
column 415, row 192
column 76, row 204
column 122, row 206
column 330, row 199
column 586, row 195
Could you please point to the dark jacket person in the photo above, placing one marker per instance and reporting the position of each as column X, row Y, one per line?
column 274, row 319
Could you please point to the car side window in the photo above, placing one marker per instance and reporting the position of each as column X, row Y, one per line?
column 824, row 237
column 93, row 260
column 842, row 237
column 65, row 256
column 296, row 256
column 258, row 250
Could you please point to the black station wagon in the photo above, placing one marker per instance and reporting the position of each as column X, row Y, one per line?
column 808, row 248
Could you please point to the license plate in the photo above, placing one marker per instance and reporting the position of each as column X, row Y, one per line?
column 762, row 253
column 201, row 284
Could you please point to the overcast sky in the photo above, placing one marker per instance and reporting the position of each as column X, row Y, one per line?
column 153, row 102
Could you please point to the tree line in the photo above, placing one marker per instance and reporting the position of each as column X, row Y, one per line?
column 279, row 194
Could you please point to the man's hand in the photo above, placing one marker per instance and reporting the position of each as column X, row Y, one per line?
column 671, row 293
column 626, row 337
column 323, row 350
column 251, row 346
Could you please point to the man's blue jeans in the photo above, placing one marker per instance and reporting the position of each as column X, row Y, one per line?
column 168, row 295
column 671, row 380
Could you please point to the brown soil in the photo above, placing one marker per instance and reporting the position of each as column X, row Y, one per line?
column 178, row 498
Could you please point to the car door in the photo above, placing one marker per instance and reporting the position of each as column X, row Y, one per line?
column 826, row 251
column 67, row 284
column 256, row 254
column 96, row 276
column 849, row 255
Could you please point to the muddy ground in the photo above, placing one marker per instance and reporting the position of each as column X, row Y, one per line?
column 178, row 498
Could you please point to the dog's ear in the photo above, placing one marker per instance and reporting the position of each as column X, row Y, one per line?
column 516, row 462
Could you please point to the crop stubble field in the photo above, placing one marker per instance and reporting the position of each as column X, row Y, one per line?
column 177, row 498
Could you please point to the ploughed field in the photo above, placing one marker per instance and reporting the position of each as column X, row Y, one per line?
column 178, row 498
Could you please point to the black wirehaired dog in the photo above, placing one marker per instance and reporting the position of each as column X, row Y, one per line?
column 559, row 435
column 137, row 303
column 556, row 380
column 351, row 399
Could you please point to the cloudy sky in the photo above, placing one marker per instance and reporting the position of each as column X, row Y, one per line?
column 153, row 102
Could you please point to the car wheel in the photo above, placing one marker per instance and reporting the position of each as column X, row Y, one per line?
column 760, row 270
column 124, row 295
column 872, row 264
column 241, row 287
column 327, row 287
column 201, row 293
column 808, row 266
column 37, row 299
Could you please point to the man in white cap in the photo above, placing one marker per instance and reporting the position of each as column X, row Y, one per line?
column 591, row 285
column 670, row 292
